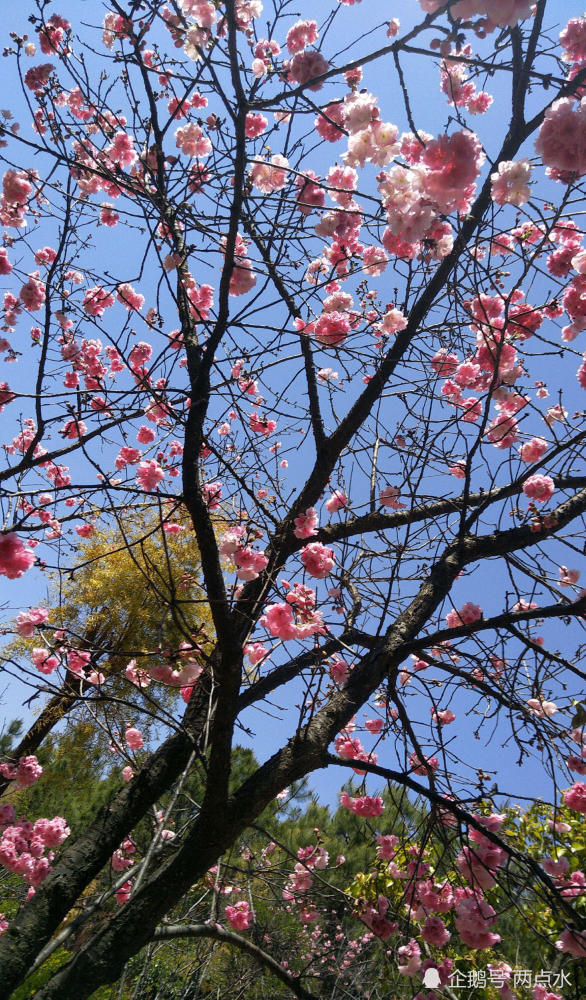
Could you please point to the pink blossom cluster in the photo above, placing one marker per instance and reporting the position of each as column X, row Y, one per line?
column 533, row 450
column 52, row 34
column 129, row 298
column 120, row 860
column 479, row 863
column 37, row 77
column 494, row 13
column 350, row 748
column 339, row 668
column 561, row 142
column 264, row 52
column 311, row 194
column 306, row 524
column 192, row 142
column 409, row 958
column 32, row 293
column 149, row 475
column 17, row 190
column 28, row 621
column 318, row 560
column 460, row 91
column 435, row 932
column 539, row 488
column 575, row 797
column 337, row 501
column 243, row 277
column 439, row 179
column 467, row 614
column 510, row 184
column 115, row 27
column 420, row 764
column 23, row 844
column 239, row 916
column 15, row 556
column 363, row 805
column 24, row 773
column 269, row 176
column 97, row 300
column 302, row 34
column 474, row 915
column 249, row 563
column 374, row 915
column 305, row 66
column 573, row 41
column 45, row 661
column 134, row 738
column 389, row 497
column 573, row 942
column 574, row 303
column 183, row 674
column 281, row 622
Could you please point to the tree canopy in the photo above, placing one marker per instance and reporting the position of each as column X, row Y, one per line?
column 294, row 481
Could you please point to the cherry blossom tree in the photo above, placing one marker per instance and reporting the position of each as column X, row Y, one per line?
column 337, row 352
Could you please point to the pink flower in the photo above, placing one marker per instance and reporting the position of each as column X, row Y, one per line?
column 145, row 435
column 539, row 488
column 28, row 621
column 127, row 456
column 302, row 34
column 305, row 66
column 15, row 557
column 261, row 425
column 269, row 176
column 510, row 184
column 575, row 797
column 250, row 563
column 423, row 766
column 306, row 524
column 212, row 494
column 256, row 124
column 256, row 652
column 374, row 726
column 531, row 451
column 123, row 894
column 573, row 942
column 364, row 805
column 134, row 738
column 318, row 560
column 32, row 293
column 435, row 932
column 386, row 845
column 337, row 501
column 467, row 614
column 390, row 498
column 473, row 918
column 540, row 708
column 239, row 916
column 278, row 619
column 568, row 577
column 24, row 773
column 409, row 956
column 561, row 142
column 443, row 716
column 192, row 142
column 339, row 670
column 130, row 299
column 96, row 300
column 43, row 660
column 149, row 475
column 332, row 328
